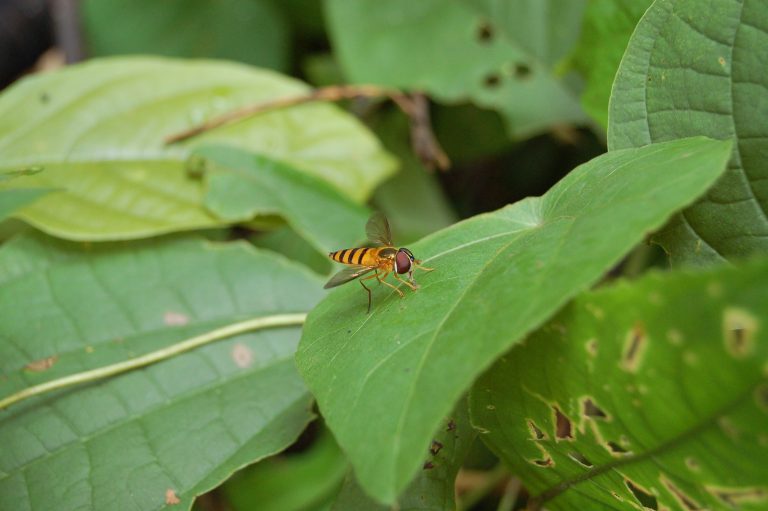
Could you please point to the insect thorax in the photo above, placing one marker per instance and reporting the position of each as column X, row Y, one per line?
column 388, row 252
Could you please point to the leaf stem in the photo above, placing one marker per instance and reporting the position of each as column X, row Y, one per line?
column 277, row 320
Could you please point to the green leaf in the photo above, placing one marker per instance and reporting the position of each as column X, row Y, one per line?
column 385, row 380
column 500, row 57
column 294, row 482
column 250, row 31
column 650, row 394
column 11, row 200
column 433, row 488
column 608, row 25
column 690, row 71
column 184, row 424
column 242, row 185
column 98, row 129
column 413, row 200
column 291, row 245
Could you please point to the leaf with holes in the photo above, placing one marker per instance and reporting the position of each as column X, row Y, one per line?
column 97, row 130
column 694, row 71
column 433, row 487
column 501, row 57
column 180, row 426
column 649, row 394
column 385, row 380
column 608, row 25
column 241, row 185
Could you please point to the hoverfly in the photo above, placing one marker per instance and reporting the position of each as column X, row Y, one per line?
column 381, row 260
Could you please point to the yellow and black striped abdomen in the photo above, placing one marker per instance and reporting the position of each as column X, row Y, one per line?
column 365, row 256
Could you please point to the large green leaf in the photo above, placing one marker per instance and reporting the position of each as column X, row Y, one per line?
column 498, row 54
column 98, row 128
column 182, row 425
column 384, row 380
column 242, row 185
column 694, row 70
column 608, row 25
column 433, row 488
column 250, row 31
column 649, row 395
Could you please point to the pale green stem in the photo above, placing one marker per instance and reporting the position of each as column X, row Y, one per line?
column 155, row 356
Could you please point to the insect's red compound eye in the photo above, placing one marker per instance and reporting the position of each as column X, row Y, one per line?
column 402, row 262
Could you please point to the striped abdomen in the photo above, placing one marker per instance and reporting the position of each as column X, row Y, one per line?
column 365, row 256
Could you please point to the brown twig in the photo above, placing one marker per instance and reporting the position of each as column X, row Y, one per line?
column 415, row 106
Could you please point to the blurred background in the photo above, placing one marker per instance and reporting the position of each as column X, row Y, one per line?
column 511, row 126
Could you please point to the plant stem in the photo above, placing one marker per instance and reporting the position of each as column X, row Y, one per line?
column 155, row 356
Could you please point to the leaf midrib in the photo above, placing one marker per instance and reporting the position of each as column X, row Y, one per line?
column 671, row 443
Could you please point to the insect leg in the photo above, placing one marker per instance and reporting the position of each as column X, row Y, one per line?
column 411, row 284
column 375, row 275
column 381, row 279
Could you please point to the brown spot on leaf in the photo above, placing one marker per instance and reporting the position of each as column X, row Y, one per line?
column 428, row 465
column 592, row 411
column 242, row 355
column 171, row 318
column 536, row 432
column 485, row 32
column 492, row 80
column 563, row 429
column 591, row 347
column 646, row 499
column 41, row 365
column 580, row 458
column 686, row 501
column 170, row 497
column 615, row 449
column 547, row 462
column 451, row 425
column 739, row 328
column 634, row 348
column 435, row 447
column 734, row 497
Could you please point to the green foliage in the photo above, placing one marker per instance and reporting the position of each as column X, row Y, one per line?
column 608, row 24
column 250, row 31
column 432, row 488
column 689, row 71
column 142, row 365
column 124, row 442
column 97, row 132
column 497, row 55
column 242, row 185
column 637, row 395
column 377, row 376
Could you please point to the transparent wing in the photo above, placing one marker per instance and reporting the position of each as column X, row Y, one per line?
column 377, row 229
column 346, row 275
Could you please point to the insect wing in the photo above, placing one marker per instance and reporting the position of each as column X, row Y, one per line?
column 346, row 275
column 377, row 229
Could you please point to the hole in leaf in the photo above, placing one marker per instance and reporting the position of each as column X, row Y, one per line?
column 536, row 432
column 580, row 458
column 684, row 500
column 593, row 411
column 521, row 70
column 616, row 448
column 645, row 498
column 634, row 347
column 562, row 425
column 428, row 465
column 734, row 497
column 492, row 80
column 544, row 463
column 451, row 425
column 435, row 447
column 485, row 32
